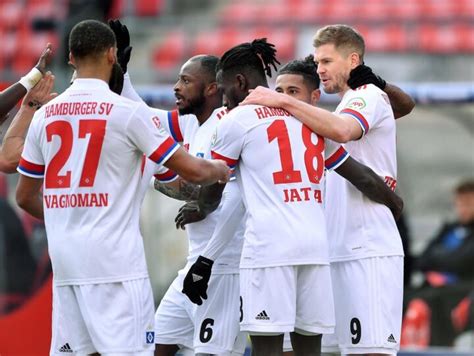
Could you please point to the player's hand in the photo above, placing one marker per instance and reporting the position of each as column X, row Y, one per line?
column 44, row 59
column 197, row 279
column 41, row 93
column 223, row 170
column 263, row 96
column 116, row 79
column 362, row 75
column 187, row 214
column 397, row 208
column 124, row 50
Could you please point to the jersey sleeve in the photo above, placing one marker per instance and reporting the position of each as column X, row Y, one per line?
column 335, row 154
column 32, row 161
column 361, row 106
column 165, row 175
column 171, row 121
column 149, row 138
column 128, row 91
column 230, row 218
column 228, row 141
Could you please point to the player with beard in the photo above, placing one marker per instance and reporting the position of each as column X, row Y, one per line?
column 291, row 250
column 365, row 247
column 213, row 327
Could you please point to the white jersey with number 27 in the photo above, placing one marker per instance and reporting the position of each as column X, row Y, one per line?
column 88, row 145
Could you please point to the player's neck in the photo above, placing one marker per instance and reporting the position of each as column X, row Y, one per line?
column 206, row 111
column 90, row 72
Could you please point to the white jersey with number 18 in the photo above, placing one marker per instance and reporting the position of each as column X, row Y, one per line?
column 280, row 167
column 88, row 145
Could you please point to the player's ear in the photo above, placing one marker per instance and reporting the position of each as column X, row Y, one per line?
column 315, row 96
column 211, row 89
column 241, row 82
column 72, row 61
column 112, row 55
column 355, row 59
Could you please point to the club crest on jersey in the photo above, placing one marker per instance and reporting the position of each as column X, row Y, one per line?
column 356, row 104
column 156, row 121
column 150, row 337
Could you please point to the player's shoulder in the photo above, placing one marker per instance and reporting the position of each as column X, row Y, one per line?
column 360, row 97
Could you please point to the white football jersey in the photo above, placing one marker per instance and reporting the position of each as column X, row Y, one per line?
column 357, row 226
column 280, row 168
column 88, row 145
column 197, row 140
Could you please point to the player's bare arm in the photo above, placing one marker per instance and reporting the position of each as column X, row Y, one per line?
column 29, row 197
column 10, row 96
column 338, row 128
column 14, row 138
column 371, row 185
column 178, row 189
column 402, row 103
column 198, row 170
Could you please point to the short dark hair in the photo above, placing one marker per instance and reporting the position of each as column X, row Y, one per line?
column 305, row 67
column 256, row 56
column 465, row 187
column 90, row 38
column 208, row 65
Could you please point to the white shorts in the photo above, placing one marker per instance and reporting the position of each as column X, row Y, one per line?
column 109, row 318
column 212, row 327
column 368, row 299
column 287, row 298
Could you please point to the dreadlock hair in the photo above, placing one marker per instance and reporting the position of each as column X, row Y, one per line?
column 305, row 67
column 208, row 65
column 90, row 38
column 258, row 55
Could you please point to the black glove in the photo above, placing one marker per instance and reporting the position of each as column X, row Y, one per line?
column 188, row 213
column 124, row 50
column 116, row 79
column 362, row 75
column 196, row 280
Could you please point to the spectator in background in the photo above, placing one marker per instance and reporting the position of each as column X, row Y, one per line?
column 449, row 258
column 438, row 311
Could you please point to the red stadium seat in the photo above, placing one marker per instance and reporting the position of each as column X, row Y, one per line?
column 11, row 14
column 148, row 7
column 32, row 44
column 239, row 13
column 385, row 38
column 170, row 52
column 446, row 39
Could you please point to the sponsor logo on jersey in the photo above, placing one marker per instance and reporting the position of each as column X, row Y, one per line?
column 262, row 316
column 214, row 138
column 66, row 348
column 356, row 104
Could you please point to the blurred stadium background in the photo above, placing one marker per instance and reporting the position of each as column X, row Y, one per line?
column 424, row 46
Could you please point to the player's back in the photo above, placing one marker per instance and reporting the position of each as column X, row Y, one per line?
column 91, row 194
column 280, row 170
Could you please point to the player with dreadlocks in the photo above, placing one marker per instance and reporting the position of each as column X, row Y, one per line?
column 280, row 170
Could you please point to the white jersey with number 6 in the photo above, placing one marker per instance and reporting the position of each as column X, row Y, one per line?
column 280, row 172
column 88, row 145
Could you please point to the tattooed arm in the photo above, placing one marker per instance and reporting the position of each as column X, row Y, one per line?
column 179, row 189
